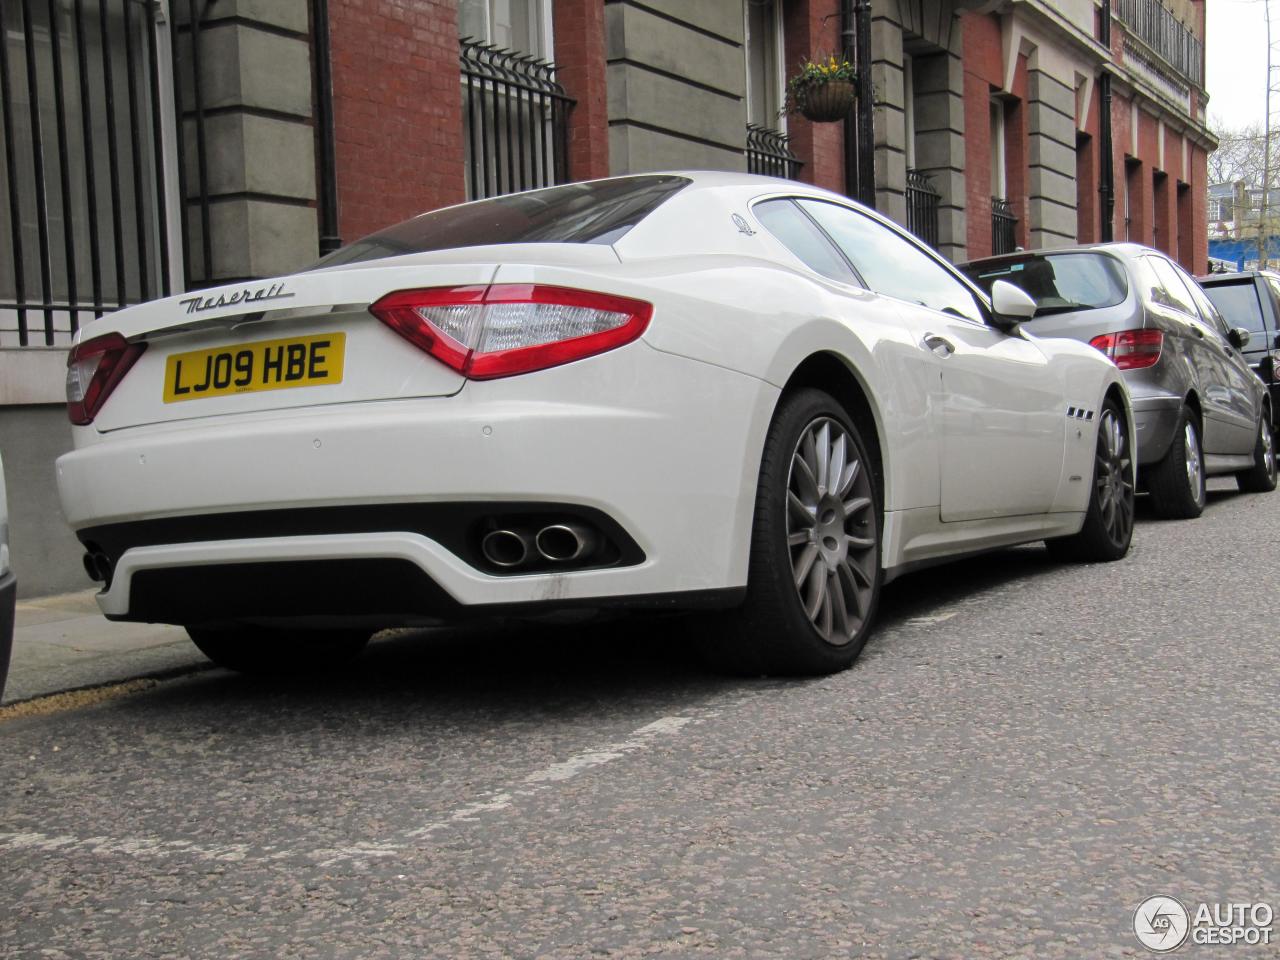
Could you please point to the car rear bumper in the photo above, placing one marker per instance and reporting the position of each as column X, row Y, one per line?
column 1156, row 418
column 8, row 601
column 662, row 451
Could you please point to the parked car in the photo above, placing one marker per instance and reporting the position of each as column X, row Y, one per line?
column 1199, row 407
column 1251, row 300
column 665, row 392
column 8, row 588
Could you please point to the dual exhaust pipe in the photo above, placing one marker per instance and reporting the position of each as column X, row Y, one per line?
column 556, row 543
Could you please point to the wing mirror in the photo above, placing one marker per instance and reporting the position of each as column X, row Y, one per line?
column 1239, row 337
column 1010, row 305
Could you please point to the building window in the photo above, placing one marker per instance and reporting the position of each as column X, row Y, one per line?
column 523, row 26
column 514, row 112
column 763, row 26
column 999, row 183
column 86, row 209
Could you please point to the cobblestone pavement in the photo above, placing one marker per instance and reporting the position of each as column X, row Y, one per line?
column 1025, row 751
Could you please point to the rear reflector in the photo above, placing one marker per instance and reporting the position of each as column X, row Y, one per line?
column 510, row 328
column 94, row 368
column 1131, row 349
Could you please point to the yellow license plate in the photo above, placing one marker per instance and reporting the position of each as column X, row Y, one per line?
column 252, row 367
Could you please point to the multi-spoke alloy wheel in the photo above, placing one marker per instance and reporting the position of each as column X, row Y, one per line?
column 1113, row 476
column 1108, row 522
column 831, row 531
column 1261, row 477
column 1176, row 481
column 814, row 576
column 1191, row 455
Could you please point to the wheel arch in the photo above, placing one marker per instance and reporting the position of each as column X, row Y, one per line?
column 833, row 374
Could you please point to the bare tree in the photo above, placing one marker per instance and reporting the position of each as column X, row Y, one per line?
column 1241, row 154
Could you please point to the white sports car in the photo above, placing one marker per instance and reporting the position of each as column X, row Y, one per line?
column 662, row 392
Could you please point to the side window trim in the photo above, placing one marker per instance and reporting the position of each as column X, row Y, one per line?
column 831, row 244
column 979, row 298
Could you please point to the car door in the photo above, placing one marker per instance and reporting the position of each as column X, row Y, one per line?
column 1242, row 395
column 1000, row 412
column 1172, row 299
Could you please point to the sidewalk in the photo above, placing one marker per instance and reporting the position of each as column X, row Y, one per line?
column 64, row 642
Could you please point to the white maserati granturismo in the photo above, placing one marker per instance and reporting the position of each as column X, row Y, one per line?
column 659, row 392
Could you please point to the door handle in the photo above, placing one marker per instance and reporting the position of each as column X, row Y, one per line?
column 939, row 345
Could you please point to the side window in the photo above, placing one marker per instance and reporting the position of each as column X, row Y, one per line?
column 1169, row 290
column 892, row 265
column 1239, row 305
column 1274, row 287
column 1211, row 314
column 797, row 233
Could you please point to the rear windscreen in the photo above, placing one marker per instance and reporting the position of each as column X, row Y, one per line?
column 599, row 212
column 1238, row 304
column 1059, row 283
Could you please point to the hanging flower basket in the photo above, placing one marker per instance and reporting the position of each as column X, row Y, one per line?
column 822, row 90
column 825, row 102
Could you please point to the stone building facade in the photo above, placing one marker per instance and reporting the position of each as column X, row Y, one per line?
column 183, row 143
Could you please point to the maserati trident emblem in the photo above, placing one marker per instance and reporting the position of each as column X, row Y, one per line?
column 744, row 228
column 245, row 295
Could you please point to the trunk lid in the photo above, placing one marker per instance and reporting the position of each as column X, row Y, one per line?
column 303, row 340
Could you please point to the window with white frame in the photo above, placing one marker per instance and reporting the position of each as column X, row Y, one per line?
column 763, row 28
column 999, row 181
column 523, row 26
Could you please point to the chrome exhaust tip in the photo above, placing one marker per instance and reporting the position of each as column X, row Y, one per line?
column 563, row 542
column 506, row 548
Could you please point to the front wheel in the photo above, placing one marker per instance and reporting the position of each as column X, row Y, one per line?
column 814, row 577
column 1176, row 483
column 264, row 650
column 1261, row 477
column 1108, row 524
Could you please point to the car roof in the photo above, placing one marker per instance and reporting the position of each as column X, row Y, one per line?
column 1236, row 276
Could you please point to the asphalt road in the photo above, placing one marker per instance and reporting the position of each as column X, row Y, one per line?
column 1025, row 751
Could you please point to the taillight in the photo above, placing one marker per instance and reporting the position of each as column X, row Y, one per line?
column 509, row 328
column 1131, row 349
column 94, row 368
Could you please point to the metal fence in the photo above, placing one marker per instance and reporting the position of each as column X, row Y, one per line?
column 769, row 153
column 922, row 207
column 1003, row 222
column 515, row 118
column 82, row 214
column 1155, row 25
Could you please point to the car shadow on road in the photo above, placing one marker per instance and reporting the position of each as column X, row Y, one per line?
column 513, row 668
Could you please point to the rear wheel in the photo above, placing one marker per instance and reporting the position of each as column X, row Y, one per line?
column 1261, row 477
column 814, row 578
column 263, row 650
column 1108, row 524
column 1176, row 483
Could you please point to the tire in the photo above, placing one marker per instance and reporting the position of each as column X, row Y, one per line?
column 1108, row 523
column 814, row 576
column 262, row 650
column 1261, row 477
column 1176, row 483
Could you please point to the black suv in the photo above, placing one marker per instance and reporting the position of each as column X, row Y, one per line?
column 1252, row 300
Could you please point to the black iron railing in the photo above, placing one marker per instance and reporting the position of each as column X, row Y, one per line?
column 1003, row 222
column 82, row 221
column 515, row 122
column 922, row 207
column 769, row 153
column 1155, row 25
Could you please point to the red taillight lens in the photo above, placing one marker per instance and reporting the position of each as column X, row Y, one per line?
column 94, row 368
column 1131, row 349
column 510, row 328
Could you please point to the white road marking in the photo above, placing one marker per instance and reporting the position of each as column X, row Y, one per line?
column 555, row 773
column 130, row 846
column 936, row 618
column 535, row 783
